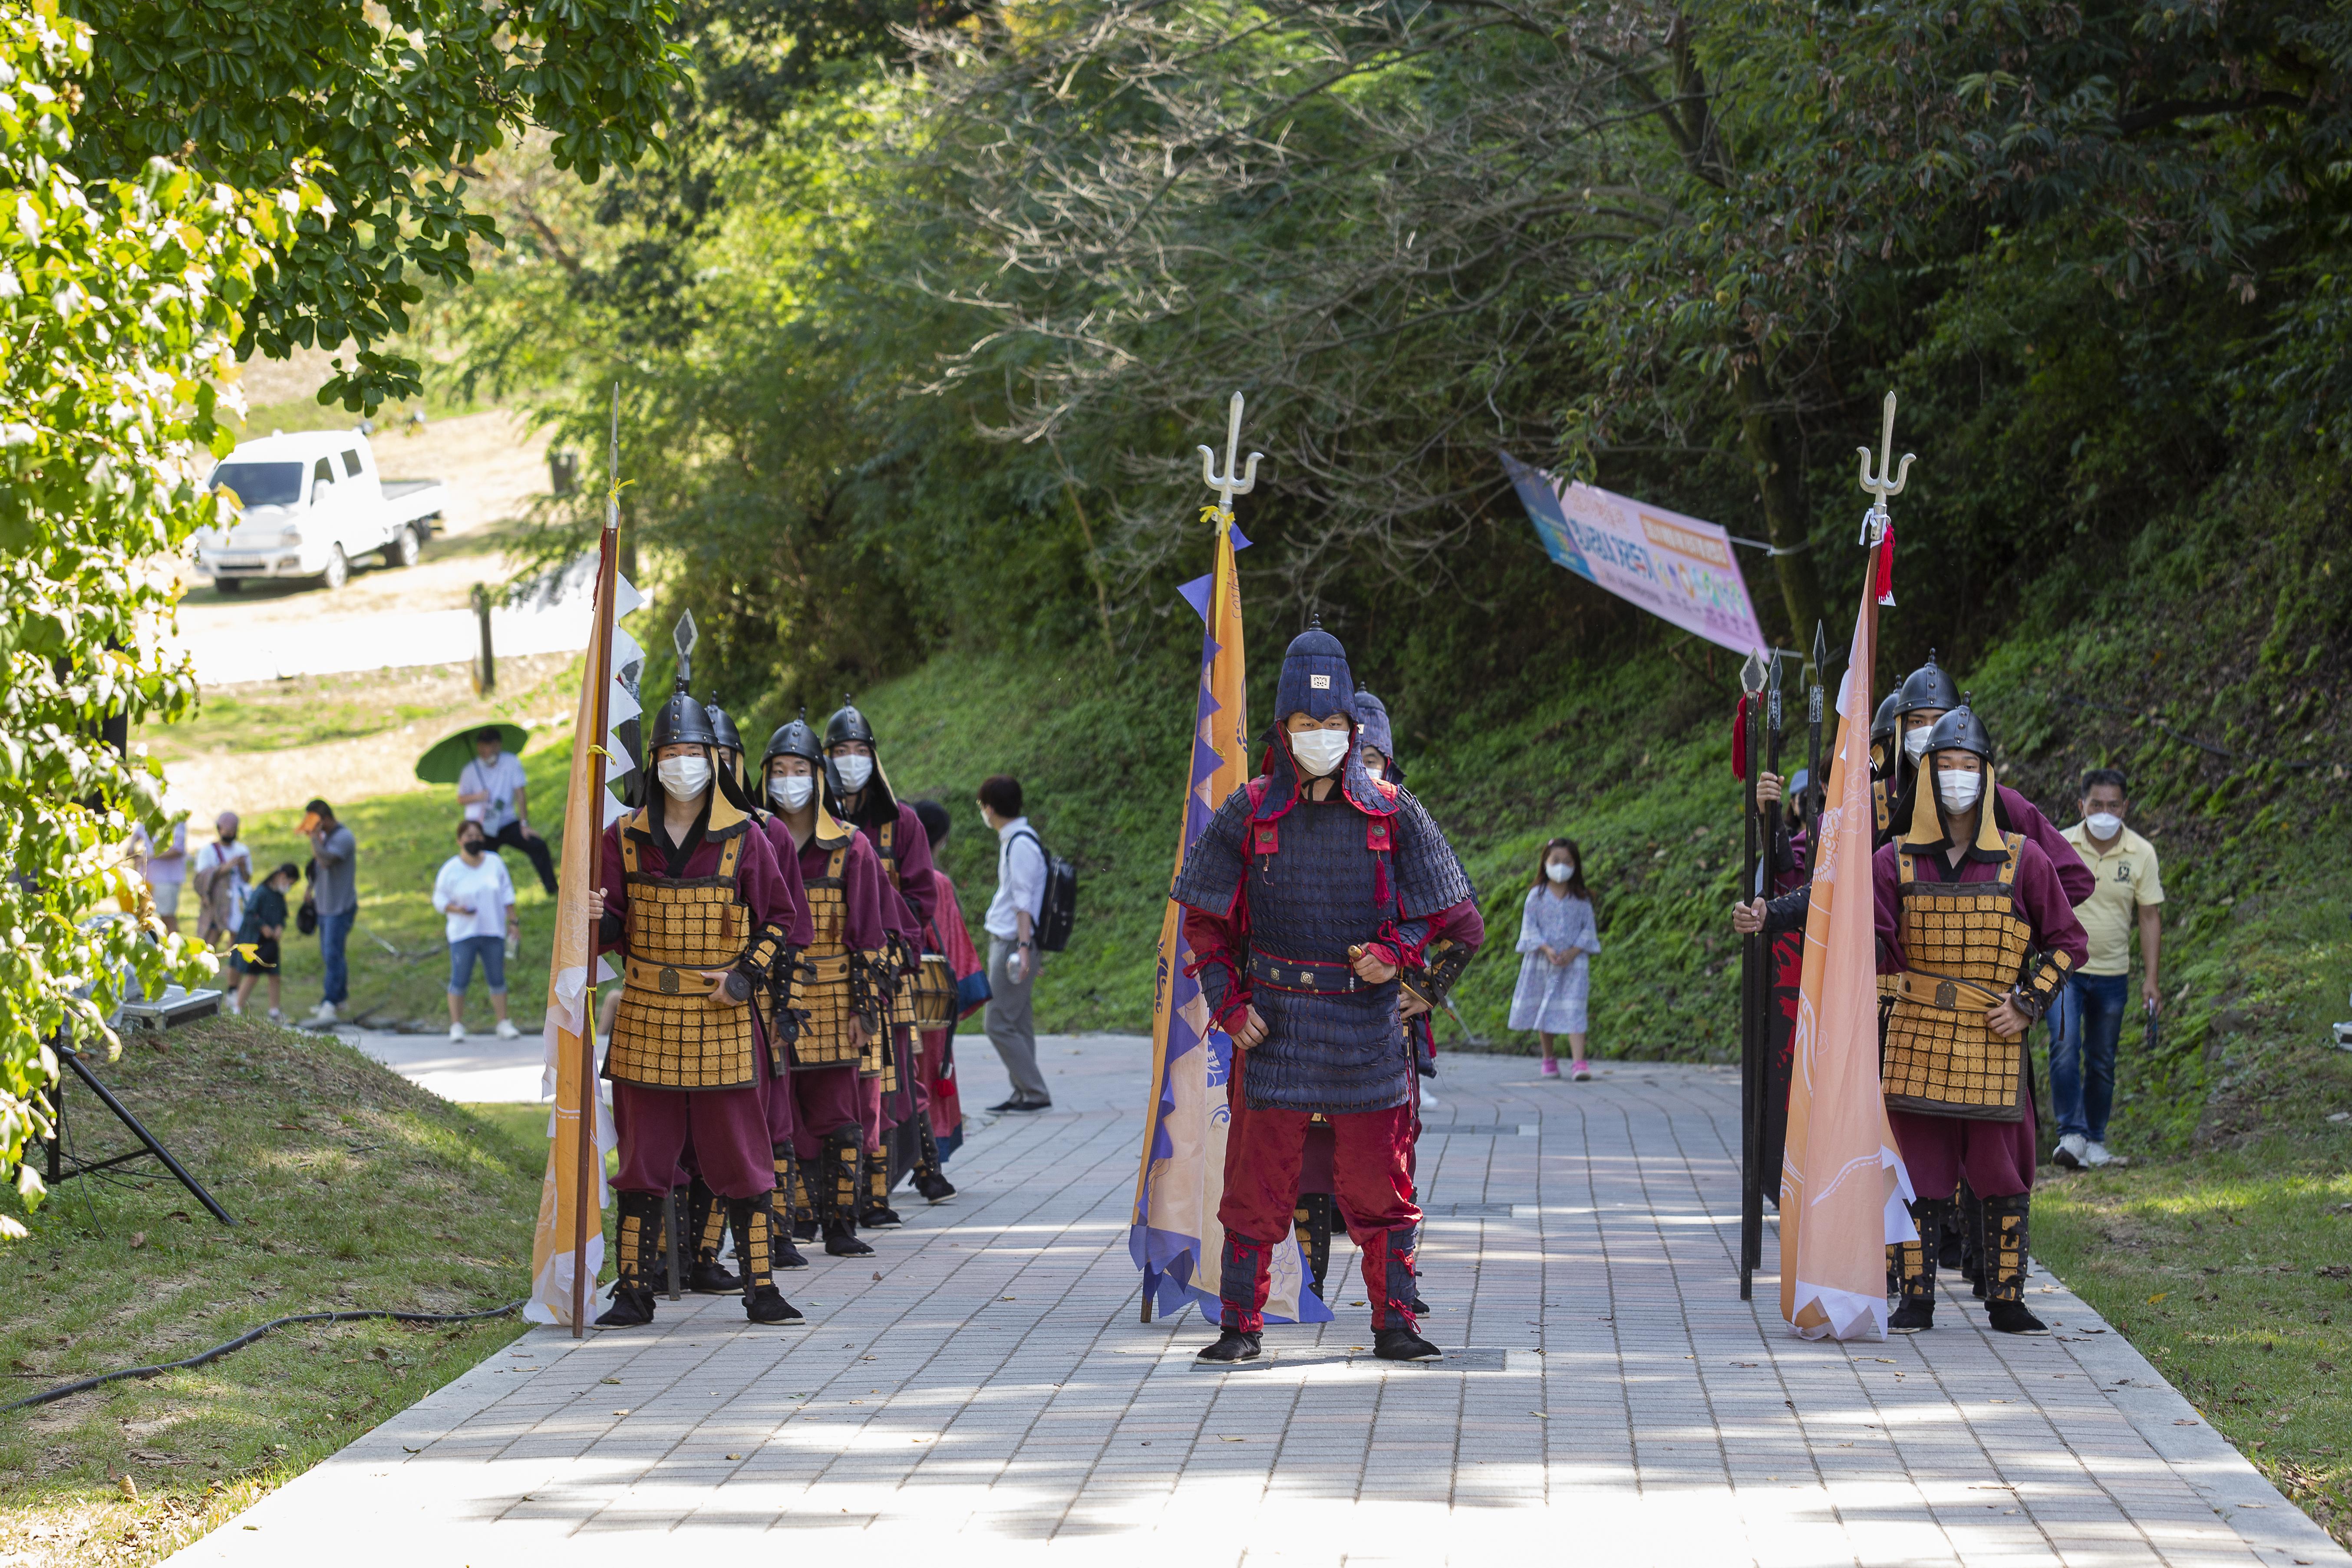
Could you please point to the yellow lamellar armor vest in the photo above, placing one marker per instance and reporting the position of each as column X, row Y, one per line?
column 902, row 991
column 825, row 993
column 1966, row 947
column 667, row 1033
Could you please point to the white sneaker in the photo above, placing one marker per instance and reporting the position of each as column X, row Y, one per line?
column 277, row 1017
column 2072, row 1150
column 324, row 1013
column 456, row 1031
column 2096, row 1155
column 236, row 1008
column 507, row 1031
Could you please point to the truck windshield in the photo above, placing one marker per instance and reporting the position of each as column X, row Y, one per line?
column 261, row 484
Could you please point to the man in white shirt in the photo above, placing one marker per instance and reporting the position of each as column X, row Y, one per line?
column 477, row 897
column 492, row 790
column 223, row 872
column 1013, row 955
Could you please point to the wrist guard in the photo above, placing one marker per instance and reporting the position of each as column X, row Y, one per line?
column 1443, row 961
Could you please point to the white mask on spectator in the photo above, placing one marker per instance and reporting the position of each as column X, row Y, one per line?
column 1915, row 741
column 1320, row 750
column 1560, row 871
column 2104, row 823
column 855, row 772
column 684, row 778
column 1958, row 789
column 792, row 794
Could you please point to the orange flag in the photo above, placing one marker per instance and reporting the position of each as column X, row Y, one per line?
column 1843, row 1190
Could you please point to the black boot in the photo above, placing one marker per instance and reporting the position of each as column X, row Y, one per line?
column 845, row 1153
column 1952, row 1241
column 1232, row 1345
column 2007, row 1242
column 876, row 1213
column 1917, row 1311
column 1972, row 1239
column 786, row 1255
column 803, row 1206
column 706, row 1228
column 1399, row 1342
column 929, row 1179
column 755, row 1223
column 636, row 1255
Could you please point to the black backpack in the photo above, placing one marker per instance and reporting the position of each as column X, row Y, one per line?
column 1059, row 911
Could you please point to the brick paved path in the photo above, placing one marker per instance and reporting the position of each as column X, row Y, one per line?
column 981, row 1389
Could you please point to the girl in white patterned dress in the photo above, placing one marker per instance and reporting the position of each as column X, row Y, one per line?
column 1557, row 935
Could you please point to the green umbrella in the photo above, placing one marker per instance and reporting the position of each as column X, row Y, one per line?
column 448, row 756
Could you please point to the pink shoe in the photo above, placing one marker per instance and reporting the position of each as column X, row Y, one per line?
column 1581, row 1074
column 1550, row 1068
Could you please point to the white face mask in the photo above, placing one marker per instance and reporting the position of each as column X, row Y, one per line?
column 684, row 778
column 1958, row 789
column 855, row 772
column 1559, row 871
column 2104, row 823
column 1320, row 750
column 1915, row 741
column 792, row 794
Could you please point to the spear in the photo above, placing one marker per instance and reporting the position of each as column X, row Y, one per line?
column 1751, row 1015
column 1813, row 740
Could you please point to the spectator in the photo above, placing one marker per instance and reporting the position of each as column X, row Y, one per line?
column 1557, row 935
column 224, row 869
column 476, row 895
column 165, row 873
column 2088, row 1018
column 1013, row 956
column 255, row 951
column 335, row 856
column 492, row 791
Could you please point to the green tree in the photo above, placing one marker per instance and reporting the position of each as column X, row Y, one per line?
column 118, row 303
column 387, row 107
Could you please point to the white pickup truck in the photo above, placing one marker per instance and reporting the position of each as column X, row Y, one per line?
column 307, row 504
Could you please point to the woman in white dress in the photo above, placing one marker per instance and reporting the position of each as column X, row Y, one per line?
column 1557, row 935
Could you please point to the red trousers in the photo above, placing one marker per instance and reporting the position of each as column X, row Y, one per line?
column 1997, row 1157
column 1369, row 1150
column 727, row 1128
column 825, row 1100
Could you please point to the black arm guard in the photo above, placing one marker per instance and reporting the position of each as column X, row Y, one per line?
column 2038, row 979
column 1443, row 964
column 1787, row 912
column 869, row 987
column 611, row 929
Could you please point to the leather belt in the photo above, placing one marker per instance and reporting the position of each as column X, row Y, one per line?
column 1946, row 991
column 1304, row 975
column 667, row 979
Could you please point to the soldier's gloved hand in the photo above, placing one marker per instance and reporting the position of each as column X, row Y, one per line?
column 2008, row 1020
column 1252, row 1030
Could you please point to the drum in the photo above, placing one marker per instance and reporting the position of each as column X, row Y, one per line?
column 935, row 994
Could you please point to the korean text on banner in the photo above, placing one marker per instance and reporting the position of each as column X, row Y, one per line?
column 1677, row 568
column 1843, row 1190
column 1175, row 1238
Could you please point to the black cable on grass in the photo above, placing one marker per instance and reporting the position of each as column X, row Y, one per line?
column 66, row 1390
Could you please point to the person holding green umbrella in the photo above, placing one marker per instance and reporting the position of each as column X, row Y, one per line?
column 492, row 789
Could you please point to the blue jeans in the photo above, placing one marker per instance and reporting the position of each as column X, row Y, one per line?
column 333, row 932
column 491, row 949
column 2084, row 1028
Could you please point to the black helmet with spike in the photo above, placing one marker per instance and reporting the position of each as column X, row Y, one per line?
column 723, row 727
column 682, row 721
column 1961, row 730
column 847, row 724
column 1928, row 687
column 793, row 740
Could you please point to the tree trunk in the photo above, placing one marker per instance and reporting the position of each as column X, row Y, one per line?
column 1764, row 436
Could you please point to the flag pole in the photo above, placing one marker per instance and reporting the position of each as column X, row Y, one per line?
column 584, row 1129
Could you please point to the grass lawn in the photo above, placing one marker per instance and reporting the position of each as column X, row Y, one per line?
column 352, row 1188
column 2231, row 1271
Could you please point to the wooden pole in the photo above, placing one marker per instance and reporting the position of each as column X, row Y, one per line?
column 607, row 569
column 1750, row 964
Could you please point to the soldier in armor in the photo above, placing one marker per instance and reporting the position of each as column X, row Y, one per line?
column 841, row 997
column 1300, row 970
column 1882, row 749
column 950, row 960
column 858, row 791
column 702, row 918
column 1977, row 933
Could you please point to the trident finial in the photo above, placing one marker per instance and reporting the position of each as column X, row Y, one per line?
column 1228, row 487
column 1875, row 520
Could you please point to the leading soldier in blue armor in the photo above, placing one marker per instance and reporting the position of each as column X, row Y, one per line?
column 1307, row 893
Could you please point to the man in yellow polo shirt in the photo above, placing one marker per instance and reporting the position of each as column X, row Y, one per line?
column 2089, row 1017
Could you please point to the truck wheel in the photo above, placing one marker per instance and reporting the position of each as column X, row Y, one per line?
column 403, row 550
column 338, row 572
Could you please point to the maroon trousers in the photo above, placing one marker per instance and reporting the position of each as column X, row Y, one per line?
column 1995, row 1157
column 1369, row 1179
column 727, row 1129
column 825, row 1100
